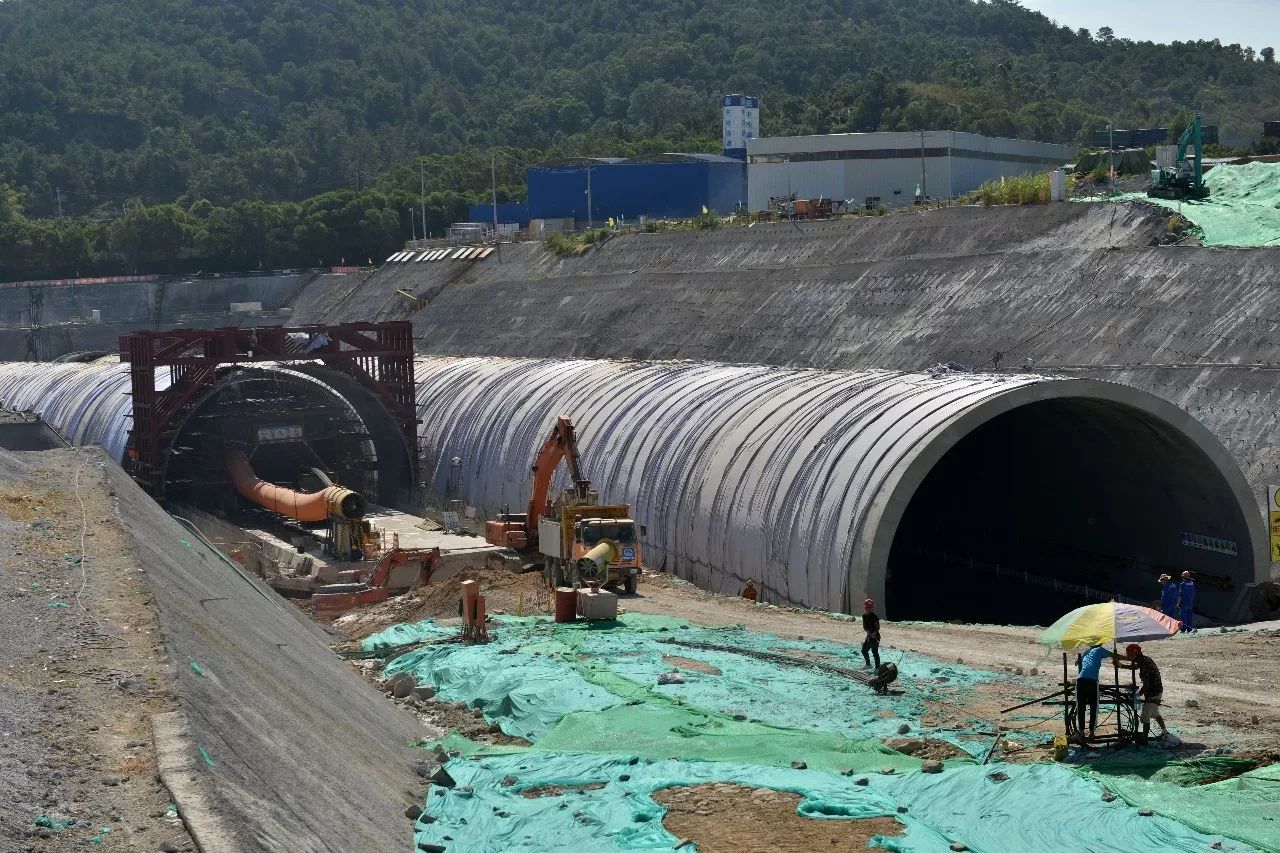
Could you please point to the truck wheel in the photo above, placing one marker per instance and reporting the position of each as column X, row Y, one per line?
column 630, row 584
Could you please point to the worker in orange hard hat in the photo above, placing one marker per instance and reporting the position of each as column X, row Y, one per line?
column 871, row 626
column 1152, row 690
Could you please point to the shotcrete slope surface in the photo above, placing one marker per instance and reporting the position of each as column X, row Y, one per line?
column 301, row 754
column 1083, row 289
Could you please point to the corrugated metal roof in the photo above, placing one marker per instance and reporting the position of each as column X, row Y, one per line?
column 737, row 472
column 682, row 157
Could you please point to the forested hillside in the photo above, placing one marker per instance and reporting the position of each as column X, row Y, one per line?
column 104, row 106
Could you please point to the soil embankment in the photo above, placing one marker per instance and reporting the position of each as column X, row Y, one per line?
column 276, row 743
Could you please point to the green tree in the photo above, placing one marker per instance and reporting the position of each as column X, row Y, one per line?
column 152, row 237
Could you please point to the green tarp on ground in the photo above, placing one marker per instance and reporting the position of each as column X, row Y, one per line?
column 1043, row 807
column 1246, row 808
column 537, row 672
column 588, row 697
column 1243, row 208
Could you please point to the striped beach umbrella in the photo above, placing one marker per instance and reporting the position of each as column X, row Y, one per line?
column 1108, row 623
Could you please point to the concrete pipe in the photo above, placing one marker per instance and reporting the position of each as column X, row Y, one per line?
column 329, row 502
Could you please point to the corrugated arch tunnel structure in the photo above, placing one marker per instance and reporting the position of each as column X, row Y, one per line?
column 288, row 418
column 951, row 496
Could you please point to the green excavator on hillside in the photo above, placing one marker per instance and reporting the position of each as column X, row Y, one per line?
column 1186, row 179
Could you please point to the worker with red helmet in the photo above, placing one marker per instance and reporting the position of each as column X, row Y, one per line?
column 870, row 625
column 1186, row 599
column 1152, row 689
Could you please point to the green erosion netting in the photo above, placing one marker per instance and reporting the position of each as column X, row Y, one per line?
column 570, row 683
column 1131, row 161
column 1040, row 807
column 1246, row 808
column 587, row 696
column 1243, row 207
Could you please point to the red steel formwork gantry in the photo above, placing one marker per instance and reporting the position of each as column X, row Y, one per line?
column 379, row 356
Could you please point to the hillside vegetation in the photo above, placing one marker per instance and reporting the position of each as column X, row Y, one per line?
column 105, row 106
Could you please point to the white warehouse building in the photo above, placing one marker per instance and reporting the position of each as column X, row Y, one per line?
column 888, row 168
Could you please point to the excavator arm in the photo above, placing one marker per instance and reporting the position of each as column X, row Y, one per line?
column 560, row 446
column 1191, row 136
column 520, row 531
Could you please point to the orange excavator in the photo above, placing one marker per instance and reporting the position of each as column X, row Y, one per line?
column 564, row 530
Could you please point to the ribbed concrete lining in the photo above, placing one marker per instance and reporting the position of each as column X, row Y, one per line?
column 90, row 404
column 795, row 479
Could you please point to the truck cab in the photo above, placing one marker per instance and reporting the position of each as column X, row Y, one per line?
column 589, row 532
column 579, row 529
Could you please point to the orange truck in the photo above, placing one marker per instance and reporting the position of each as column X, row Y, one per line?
column 564, row 530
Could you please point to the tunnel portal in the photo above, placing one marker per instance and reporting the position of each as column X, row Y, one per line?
column 1064, row 502
column 300, row 429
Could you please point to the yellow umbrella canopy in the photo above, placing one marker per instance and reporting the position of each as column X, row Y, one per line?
column 1107, row 623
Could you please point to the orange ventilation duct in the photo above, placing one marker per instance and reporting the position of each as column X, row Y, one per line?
column 332, row 501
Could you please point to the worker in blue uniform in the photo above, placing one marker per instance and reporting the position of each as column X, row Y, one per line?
column 1186, row 601
column 1088, row 668
column 1168, row 597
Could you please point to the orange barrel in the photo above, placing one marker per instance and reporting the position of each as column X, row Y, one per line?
column 566, row 604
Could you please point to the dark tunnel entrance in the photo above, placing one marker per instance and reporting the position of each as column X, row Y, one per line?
column 300, row 428
column 1064, row 502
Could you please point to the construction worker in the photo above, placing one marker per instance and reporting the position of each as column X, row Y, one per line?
column 1168, row 597
column 1152, row 689
column 1186, row 600
column 871, row 625
column 1088, row 667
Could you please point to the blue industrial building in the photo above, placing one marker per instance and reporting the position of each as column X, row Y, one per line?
column 658, row 186
column 508, row 213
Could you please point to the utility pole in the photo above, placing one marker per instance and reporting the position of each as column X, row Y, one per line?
column 422, row 194
column 1111, row 158
column 58, row 194
column 924, row 186
column 493, row 189
column 413, row 237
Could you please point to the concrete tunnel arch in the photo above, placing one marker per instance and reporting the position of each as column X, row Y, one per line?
column 1207, row 472
column 802, row 480
column 357, row 438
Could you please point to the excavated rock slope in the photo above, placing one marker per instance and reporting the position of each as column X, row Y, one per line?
column 1073, row 288
column 287, row 748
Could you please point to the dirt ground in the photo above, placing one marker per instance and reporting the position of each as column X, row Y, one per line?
column 727, row 818
column 1231, row 678
column 1220, row 688
column 504, row 592
column 81, row 668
